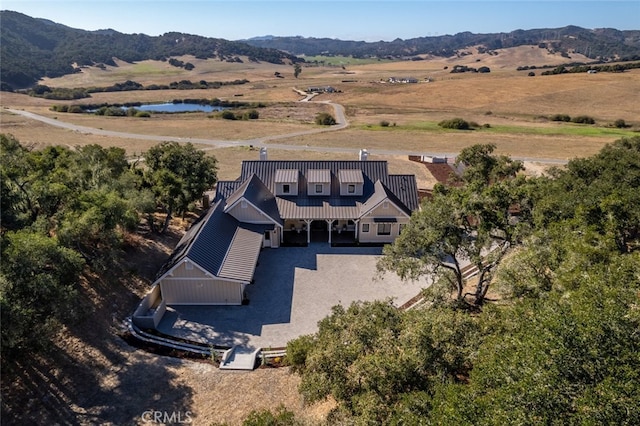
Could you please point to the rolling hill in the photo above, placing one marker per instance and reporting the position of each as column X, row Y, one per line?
column 31, row 48
column 34, row 48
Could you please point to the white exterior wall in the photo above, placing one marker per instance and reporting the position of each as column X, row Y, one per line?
column 344, row 189
column 248, row 214
column 311, row 189
column 373, row 237
column 293, row 189
column 205, row 291
column 386, row 209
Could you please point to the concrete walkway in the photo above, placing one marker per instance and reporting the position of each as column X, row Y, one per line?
column 294, row 288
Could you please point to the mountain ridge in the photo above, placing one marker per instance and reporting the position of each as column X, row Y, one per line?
column 33, row 48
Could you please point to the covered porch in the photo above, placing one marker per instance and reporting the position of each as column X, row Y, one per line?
column 301, row 232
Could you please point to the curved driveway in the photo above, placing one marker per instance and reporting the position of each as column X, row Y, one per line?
column 341, row 123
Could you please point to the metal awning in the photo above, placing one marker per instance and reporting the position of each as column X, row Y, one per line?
column 385, row 219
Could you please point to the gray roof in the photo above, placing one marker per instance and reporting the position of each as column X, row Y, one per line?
column 318, row 176
column 380, row 194
column 287, row 175
column 402, row 187
column 350, row 176
column 212, row 237
column 242, row 256
column 254, row 191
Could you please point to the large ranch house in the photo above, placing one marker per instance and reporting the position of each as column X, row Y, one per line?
column 273, row 204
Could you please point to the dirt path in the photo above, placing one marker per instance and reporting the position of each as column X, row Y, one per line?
column 260, row 141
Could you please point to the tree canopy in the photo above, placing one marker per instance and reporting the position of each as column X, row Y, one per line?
column 560, row 343
column 65, row 215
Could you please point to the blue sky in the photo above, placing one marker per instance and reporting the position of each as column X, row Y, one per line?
column 347, row 20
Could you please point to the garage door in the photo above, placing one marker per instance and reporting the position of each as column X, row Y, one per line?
column 181, row 291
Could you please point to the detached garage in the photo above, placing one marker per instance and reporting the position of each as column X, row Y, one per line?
column 214, row 261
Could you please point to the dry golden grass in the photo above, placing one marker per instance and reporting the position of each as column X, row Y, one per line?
column 509, row 96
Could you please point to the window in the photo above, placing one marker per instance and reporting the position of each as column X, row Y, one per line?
column 351, row 189
column 243, row 204
column 385, row 205
column 365, row 227
column 400, row 228
column 384, row 229
column 286, row 188
column 319, row 189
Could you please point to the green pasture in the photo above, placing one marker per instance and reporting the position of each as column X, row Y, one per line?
column 565, row 130
column 343, row 60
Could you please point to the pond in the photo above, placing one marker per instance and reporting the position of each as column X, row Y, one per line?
column 171, row 107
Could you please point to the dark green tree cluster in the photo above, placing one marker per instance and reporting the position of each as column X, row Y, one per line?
column 557, row 343
column 325, row 119
column 65, row 210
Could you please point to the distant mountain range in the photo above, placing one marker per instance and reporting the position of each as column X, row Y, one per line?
column 33, row 48
column 601, row 44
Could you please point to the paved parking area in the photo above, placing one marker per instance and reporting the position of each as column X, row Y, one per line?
column 294, row 288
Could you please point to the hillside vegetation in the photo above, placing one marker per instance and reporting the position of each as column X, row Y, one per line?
column 35, row 48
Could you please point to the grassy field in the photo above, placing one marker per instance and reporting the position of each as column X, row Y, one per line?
column 512, row 104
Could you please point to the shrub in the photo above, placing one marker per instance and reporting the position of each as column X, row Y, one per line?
column 142, row 114
column 620, row 124
column 560, row 117
column 297, row 350
column 384, row 123
column 228, row 115
column 531, row 74
column 250, row 115
column 75, row 109
column 583, row 119
column 454, row 123
column 325, row 119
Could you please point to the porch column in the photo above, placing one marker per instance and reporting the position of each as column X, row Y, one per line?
column 329, row 224
column 308, row 222
column 357, row 222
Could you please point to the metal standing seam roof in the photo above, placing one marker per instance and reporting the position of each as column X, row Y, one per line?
column 286, row 175
column 380, row 194
column 403, row 187
column 209, row 241
column 242, row 256
column 350, row 176
column 254, row 191
column 319, row 176
column 266, row 170
column 319, row 208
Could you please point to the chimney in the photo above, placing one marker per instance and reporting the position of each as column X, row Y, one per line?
column 364, row 154
column 263, row 154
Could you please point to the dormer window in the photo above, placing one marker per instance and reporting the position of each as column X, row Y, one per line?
column 318, row 182
column 351, row 181
column 286, row 182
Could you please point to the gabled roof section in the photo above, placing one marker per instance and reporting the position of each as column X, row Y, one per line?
column 405, row 188
column 255, row 192
column 286, row 176
column 220, row 245
column 319, row 175
column 266, row 170
column 350, row 176
column 381, row 194
column 242, row 256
